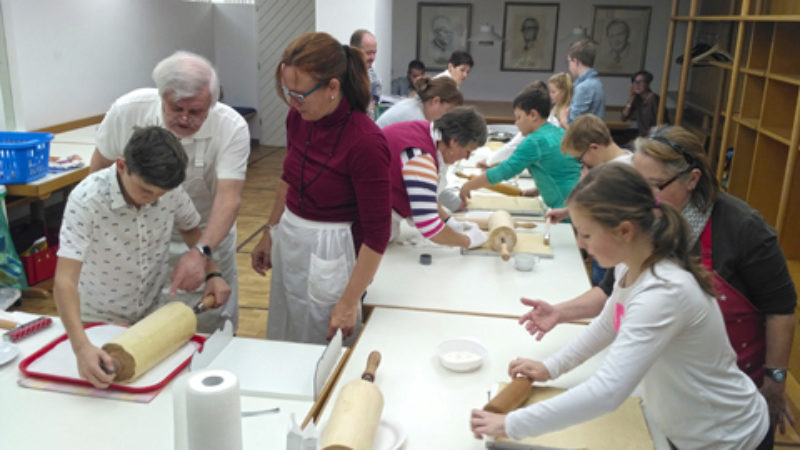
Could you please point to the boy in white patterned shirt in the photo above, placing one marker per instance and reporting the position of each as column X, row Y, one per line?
column 114, row 243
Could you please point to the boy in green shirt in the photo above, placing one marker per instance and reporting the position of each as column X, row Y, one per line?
column 554, row 173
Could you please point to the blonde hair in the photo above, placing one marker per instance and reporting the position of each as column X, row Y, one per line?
column 563, row 82
column 585, row 130
column 679, row 151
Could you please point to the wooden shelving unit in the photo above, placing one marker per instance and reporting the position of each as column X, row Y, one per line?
column 750, row 105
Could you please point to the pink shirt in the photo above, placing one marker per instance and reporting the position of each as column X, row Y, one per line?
column 343, row 161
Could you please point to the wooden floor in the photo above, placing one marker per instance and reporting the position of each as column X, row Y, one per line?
column 263, row 171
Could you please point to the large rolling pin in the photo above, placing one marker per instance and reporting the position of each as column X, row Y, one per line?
column 502, row 188
column 150, row 340
column 512, row 396
column 483, row 222
column 502, row 236
column 356, row 413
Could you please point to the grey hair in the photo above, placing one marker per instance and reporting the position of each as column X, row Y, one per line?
column 464, row 124
column 186, row 75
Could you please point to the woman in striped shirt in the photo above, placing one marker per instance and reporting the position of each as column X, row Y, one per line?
column 419, row 148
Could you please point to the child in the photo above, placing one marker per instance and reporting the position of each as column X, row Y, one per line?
column 554, row 173
column 112, row 263
column 661, row 322
column 560, row 88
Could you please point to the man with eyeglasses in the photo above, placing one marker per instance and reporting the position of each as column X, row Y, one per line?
column 642, row 103
column 217, row 143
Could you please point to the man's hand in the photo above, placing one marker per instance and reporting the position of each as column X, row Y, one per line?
column 528, row 368
column 343, row 317
column 219, row 288
column 189, row 273
column 89, row 359
column 779, row 412
column 540, row 319
column 486, row 423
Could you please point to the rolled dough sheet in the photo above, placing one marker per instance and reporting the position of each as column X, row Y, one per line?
column 529, row 206
column 532, row 243
column 623, row 429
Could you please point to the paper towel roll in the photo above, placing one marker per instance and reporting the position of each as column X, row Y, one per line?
column 207, row 411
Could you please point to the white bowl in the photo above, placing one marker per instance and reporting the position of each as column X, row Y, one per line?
column 463, row 354
column 524, row 262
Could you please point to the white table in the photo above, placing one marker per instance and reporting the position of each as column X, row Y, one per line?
column 476, row 284
column 38, row 419
column 85, row 135
column 431, row 403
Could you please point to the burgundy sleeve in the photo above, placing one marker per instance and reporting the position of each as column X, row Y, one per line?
column 372, row 185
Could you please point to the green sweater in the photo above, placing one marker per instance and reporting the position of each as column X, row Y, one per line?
column 554, row 173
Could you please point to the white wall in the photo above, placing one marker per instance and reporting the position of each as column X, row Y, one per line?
column 71, row 59
column 235, row 56
column 487, row 82
column 341, row 17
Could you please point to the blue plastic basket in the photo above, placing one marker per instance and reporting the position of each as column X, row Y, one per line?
column 23, row 156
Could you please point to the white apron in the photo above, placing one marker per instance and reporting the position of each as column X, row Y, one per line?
column 200, row 184
column 311, row 266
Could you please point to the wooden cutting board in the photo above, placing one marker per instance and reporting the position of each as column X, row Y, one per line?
column 530, row 206
column 532, row 243
column 623, row 429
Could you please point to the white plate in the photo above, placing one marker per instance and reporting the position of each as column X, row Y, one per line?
column 388, row 437
column 8, row 352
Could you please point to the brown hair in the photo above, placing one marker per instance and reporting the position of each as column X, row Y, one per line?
column 613, row 193
column 324, row 58
column 563, row 82
column 679, row 151
column 583, row 51
column 585, row 130
column 443, row 87
column 535, row 85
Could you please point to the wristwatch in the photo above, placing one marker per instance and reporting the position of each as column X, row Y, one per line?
column 779, row 375
column 204, row 250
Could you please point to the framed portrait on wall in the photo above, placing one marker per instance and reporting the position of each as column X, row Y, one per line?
column 529, row 36
column 621, row 34
column 441, row 29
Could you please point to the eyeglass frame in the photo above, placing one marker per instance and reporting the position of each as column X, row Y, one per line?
column 679, row 150
column 288, row 93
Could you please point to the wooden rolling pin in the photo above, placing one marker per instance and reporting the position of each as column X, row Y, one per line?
column 503, row 188
column 512, row 396
column 483, row 222
column 356, row 413
column 150, row 340
column 502, row 236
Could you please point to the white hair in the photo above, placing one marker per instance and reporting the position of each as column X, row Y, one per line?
column 186, row 75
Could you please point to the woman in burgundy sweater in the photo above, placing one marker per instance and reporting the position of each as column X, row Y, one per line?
column 332, row 213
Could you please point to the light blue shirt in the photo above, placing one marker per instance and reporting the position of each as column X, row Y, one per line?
column 588, row 96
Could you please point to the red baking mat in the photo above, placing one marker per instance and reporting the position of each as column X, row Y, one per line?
column 25, row 364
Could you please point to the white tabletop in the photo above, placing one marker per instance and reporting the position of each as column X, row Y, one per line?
column 431, row 403
column 85, row 135
column 476, row 284
column 38, row 419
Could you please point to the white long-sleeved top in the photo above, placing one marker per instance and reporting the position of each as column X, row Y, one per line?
column 672, row 338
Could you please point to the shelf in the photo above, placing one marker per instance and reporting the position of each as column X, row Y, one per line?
column 721, row 65
column 784, row 50
column 791, row 78
column 758, row 73
column 760, row 44
column 743, row 147
column 751, row 123
column 782, row 135
column 766, row 178
column 780, row 100
column 752, row 97
column 739, row 18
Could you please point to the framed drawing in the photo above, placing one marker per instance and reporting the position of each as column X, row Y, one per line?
column 441, row 29
column 529, row 36
column 621, row 32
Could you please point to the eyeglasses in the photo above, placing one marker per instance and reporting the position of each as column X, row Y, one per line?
column 298, row 96
column 580, row 158
column 663, row 185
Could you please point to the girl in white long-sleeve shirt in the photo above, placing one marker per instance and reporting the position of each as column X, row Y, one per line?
column 662, row 324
